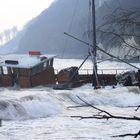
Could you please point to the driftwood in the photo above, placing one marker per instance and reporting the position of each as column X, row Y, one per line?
column 106, row 115
column 78, row 106
column 125, row 135
column 137, row 107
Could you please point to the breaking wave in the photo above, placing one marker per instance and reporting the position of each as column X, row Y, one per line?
column 28, row 107
column 44, row 102
column 119, row 96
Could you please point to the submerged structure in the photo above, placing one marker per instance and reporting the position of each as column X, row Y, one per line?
column 35, row 69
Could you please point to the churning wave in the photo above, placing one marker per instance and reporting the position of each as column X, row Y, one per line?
column 28, row 107
column 119, row 96
column 44, row 102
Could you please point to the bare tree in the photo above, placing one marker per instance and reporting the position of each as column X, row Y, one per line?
column 119, row 27
column 7, row 35
column 103, row 114
column 14, row 31
column 1, row 38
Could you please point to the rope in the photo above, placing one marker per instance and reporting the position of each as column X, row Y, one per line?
column 70, row 26
column 104, row 51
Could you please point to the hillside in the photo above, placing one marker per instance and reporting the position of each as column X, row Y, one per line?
column 45, row 33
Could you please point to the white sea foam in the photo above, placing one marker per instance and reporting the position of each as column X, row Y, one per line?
column 28, row 107
column 120, row 96
column 44, row 113
column 51, row 102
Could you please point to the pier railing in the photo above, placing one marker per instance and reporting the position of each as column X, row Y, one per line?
column 103, row 71
column 100, row 71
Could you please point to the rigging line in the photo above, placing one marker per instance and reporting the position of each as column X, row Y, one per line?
column 106, row 4
column 103, row 51
column 74, row 74
column 105, row 60
column 119, row 3
column 79, row 67
column 69, row 28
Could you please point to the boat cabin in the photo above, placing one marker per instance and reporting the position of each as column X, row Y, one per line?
column 68, row 75
column 26, row 70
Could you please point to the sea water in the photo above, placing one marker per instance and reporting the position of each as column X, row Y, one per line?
column 42, row 113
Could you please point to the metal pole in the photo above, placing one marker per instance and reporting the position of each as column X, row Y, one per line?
column 95, row 82
column 94, row 29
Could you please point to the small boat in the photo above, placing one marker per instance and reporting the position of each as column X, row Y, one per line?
column 68, row 78
column 27, row 70
column 35, row 69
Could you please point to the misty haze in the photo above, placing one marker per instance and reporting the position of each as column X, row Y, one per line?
column 49, row 92
column 45, row 33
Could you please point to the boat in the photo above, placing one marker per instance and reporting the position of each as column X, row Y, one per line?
column 35, row 69
column 28, row 70
column 68, row 78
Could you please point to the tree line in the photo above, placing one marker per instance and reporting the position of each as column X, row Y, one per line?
column 8, row 34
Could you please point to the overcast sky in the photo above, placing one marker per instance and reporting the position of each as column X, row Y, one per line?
column 18, row 12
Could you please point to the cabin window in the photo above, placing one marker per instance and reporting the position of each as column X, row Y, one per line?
column 37, row 69
column 5, row 70
column 44, row 65
column 51, row 62
column 1, row 70
column 47, row 64
column 15, row 70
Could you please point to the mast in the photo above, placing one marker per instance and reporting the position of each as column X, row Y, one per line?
column 95, row 81
column 94, row 29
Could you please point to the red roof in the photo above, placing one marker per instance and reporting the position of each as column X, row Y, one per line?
column 34, row 53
